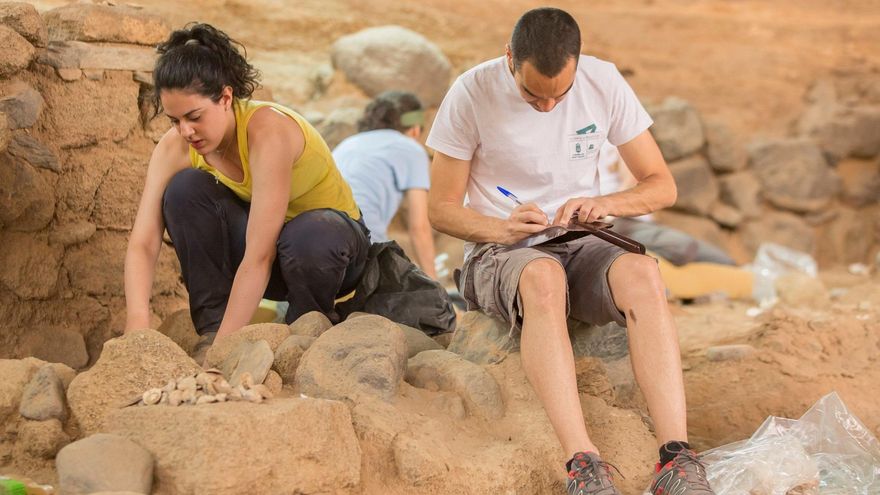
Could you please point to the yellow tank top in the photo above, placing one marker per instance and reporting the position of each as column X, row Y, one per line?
column 315, row 182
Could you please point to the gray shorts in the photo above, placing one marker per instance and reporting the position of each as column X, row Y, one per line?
column 490, row 279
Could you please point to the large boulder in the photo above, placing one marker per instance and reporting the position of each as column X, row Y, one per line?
column 779, row 228
column 340, row 124
column 361, row 356
column 16, row 52
column 697, row 186
column 66, row 56
column 311, row 324
column 698, row 227
column 104, row 462
column 847, row 239
column 418, row 341
column 93, row 22
column 41, row 439
column 273, row 333
column 55, row 345
column 178, row 326
column 25, row 20
column 794, row 174
column 724, row 152
column 289, row 354
column 842, row 131
column 16, row 374
column 29, row 266
column 741, row 190
column 861, row 181
column 22, row 105
column 43, row 397
column 443, row 370
column 279, row 446
column 392, row 57
column 128, row 366
column 481, row 339
column 31, row 150
column 27, row 198
column 677, row 128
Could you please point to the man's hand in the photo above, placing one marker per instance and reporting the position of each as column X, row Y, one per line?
column 524, row 221
column 586, row 209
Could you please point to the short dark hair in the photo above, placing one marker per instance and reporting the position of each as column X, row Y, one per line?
column 203, row 59
column 547, row 38
column 385, row 111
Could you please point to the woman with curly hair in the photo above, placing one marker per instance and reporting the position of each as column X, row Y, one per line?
column 248, row 191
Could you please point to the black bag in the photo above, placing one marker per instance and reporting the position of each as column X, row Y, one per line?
column 394, row 287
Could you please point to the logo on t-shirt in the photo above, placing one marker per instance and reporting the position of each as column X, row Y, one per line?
column 590, row 128
column 584, row 143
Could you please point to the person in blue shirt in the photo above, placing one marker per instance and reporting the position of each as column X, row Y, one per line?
column 384, row 163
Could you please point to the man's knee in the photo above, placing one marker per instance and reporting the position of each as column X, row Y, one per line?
column 542, row 280
column 636, row 274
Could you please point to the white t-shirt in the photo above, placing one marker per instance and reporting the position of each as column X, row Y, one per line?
column 380, row 166
column 545, row 158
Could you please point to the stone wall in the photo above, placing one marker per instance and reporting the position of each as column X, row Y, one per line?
column 816, row 190
column 74, row 148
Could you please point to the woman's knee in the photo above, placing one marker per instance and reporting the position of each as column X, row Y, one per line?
column 185, row 186
column 317, row 235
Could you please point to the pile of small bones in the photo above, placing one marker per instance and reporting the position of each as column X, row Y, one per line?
column 204, row 388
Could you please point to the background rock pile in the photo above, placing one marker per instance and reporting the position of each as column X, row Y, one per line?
column 74, row 148
column 816, row 191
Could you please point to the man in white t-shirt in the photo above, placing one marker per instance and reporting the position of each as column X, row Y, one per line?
column 533, row 122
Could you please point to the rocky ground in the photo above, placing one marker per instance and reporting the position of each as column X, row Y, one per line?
column 773, row 134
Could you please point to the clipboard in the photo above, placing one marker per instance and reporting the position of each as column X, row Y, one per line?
column 575, row 230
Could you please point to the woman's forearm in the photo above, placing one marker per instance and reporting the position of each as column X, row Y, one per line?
column 140, row 268
column 248, row 287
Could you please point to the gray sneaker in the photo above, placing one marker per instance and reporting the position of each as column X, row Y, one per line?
column 589, row 475
column 683, row 475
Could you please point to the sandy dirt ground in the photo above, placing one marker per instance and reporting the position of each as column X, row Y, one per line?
column 746, row 62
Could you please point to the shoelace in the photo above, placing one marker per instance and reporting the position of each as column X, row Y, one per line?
column 589, row 472
column 689, row 457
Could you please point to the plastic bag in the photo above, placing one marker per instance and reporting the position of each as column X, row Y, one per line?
column 827, row 451
column 773, row 260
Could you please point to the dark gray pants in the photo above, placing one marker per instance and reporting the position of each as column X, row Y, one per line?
column 320, row 253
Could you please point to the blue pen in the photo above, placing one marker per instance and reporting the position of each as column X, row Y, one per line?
column 509, row 195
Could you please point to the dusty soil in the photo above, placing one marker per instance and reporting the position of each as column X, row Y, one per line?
column 746, row 62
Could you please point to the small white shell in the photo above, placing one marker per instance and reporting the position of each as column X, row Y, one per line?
column 206, row 399
column 187, row 383
column 263, row 391
column 252, row 396
column 222, row 386
column 175, row 397
column 246, row 380
column 152, row 396
column 204, row 378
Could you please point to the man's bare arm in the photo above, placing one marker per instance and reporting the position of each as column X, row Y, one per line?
column 449, row 178
column 654, row 190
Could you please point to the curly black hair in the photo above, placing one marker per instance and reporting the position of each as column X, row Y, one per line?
column 203, row 59
column 385, row 111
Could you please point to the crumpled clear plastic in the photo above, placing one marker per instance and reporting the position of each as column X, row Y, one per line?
column 827, row 451
column 773, row 260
